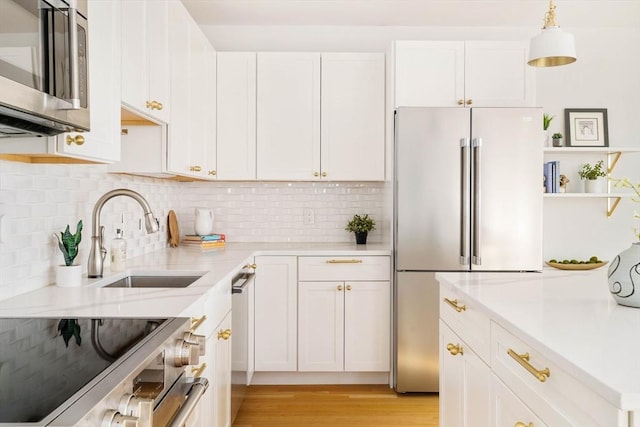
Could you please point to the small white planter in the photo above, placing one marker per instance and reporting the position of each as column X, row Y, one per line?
column 68, row 276
column 595, row 185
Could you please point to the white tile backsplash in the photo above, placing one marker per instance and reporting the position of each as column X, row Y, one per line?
column 39, row 200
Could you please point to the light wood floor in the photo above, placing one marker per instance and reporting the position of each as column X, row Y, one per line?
column 336, row 406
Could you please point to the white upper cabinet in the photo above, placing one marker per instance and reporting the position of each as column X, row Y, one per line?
column 236, row 112
column 470, row 74
column 352, row 116
column 191, row 134
column 288, row 116
column 145, row 57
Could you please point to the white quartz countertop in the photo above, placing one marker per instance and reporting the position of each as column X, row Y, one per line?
column 571, row 316
column 92, row 300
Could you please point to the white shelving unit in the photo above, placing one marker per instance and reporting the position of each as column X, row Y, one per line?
column 613, row 155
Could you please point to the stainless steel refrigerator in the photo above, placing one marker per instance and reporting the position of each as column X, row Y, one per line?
column 467, row 197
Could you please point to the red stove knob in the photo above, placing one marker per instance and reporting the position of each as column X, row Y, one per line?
column 185, row 353
column 197, row 340
column 116, row 419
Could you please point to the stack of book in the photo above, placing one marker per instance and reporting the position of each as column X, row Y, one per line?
column 552, row 177
column 209, row 241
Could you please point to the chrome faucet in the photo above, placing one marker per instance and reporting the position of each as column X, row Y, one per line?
column 98, row 251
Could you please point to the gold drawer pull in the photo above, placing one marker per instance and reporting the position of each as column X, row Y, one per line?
column 254, row 266
column 195, row 323
column 197, row 372
column 523, row 360
column 454, row 303
column 78, row 139
column 455, row 349
column 224, row 334
column 521, row 424
column 348, row 287
column 195, row 168
column 344, row 261
column 339, row 287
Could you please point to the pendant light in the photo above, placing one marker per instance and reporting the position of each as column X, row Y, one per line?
column 552, row 47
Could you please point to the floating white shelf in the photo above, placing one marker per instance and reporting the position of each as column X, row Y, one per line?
column 612, row 198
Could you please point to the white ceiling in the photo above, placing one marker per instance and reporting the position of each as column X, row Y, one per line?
column 449, row 13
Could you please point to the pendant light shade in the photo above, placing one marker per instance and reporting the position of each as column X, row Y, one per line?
column 552, row 47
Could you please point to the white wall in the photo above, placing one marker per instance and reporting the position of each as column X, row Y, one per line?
column 605, row 76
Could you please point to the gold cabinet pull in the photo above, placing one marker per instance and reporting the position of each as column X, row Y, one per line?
column 316, row 174
column 339, row 287
column 212, row 172
column 454, row 303
column 455, row 349
column 344, row 261
column 197, row 372
column 523, row 360
column 154, row 105
column 254, row 266
column 469, row 101
column 224, row 334
column 195, row 168
column 460, row 101
column 324, row 174
column 196, row 322
column 78, row 139
column 521, row 424
column 348, row 287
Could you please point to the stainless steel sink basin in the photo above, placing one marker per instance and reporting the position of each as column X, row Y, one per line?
column 155, row 281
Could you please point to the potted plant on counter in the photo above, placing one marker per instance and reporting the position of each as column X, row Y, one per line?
column 68, row 275
column 592, row 175
column 361, row 225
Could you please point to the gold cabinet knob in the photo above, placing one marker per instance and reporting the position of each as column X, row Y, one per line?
column 324, row 174
column 460, row 101
column 224, row 334
column 339, row 287
column 454, row 304
column 212, row 172
column 316, row 174
column 254, row 266
column 197, row 372
column 521, row 424
column 455, row 349
column 154, row 105
column 469, row 101
column 348, row 287
column 195, row 168
column 78, row 139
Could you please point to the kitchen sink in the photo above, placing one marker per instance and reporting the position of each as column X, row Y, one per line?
column 153, row 281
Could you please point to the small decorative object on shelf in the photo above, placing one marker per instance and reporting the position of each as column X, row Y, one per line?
column 69, row 275
column 592, row 175
column 557, row 139
column 361, row 225
column 563, row 183
column 586, row 127
column 624, row 271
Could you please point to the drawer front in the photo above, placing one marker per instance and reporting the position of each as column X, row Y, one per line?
column 370, row 268
column 509, row 411
column 550, row 392
column 462, row 315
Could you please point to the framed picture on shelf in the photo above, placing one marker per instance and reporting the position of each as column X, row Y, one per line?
column 586, row 127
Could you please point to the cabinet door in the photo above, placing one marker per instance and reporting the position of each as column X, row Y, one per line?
column 497, row 75
column 222, row 374
column 465, row 384
column 429, row 74
column 352, row 98
column 276, row 306
column 508, row 409
column 236, row 111
column 367, row 326
column 288, row 116
column 321, row 326
column 102, row 143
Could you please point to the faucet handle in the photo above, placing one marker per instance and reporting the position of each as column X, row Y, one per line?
column 103, row 250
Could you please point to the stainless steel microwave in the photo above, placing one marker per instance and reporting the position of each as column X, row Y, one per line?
column 44, row 70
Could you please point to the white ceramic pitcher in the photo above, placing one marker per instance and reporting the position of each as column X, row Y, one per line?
column 204, row 221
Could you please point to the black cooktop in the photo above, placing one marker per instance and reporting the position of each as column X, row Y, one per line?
column 40, row 372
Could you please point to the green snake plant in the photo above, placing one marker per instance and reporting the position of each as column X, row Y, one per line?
column 68, row 243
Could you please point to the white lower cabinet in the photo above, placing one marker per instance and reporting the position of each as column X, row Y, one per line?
column 276, row 308
column 509, row 411
column 464, row 383
column 344, row 325
column 221, row 371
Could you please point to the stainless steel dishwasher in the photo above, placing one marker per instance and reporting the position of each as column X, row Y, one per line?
column 242, row 354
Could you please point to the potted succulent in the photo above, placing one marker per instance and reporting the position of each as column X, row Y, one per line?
column 69, row 274
column 361, row 225
column 557, row 139
column 592, row 174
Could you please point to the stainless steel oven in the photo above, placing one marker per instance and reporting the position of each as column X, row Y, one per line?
column 44, row 75
column 136, row 378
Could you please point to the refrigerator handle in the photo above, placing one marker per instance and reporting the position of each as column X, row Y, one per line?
column 476, row 259
column 464, row 200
